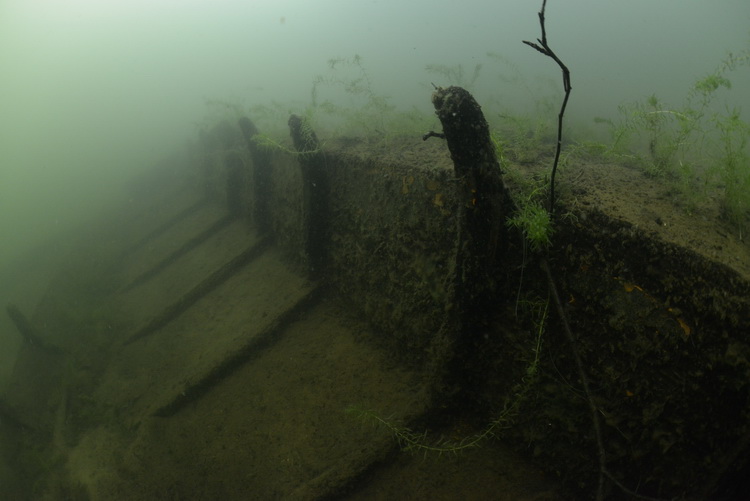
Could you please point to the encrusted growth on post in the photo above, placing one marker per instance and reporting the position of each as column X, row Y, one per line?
column 482, row 198
column 314, row 192
column 261, row 176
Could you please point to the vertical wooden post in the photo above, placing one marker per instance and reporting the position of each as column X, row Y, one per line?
column 261, row 177
column 314, row 193
column 235, row 183
column 483, row 200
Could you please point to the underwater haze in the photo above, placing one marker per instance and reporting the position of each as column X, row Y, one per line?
column 92, row 92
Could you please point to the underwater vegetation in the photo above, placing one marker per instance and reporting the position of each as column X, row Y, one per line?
column 696, row 146
column 534, row 222
column 343, row 103
column 454, row 74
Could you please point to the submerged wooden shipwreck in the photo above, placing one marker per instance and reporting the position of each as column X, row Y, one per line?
column 210, row 340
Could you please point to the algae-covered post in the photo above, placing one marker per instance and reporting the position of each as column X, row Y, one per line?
column 235, row 183
column 483, row 202
column 261, row 176
column 314, row 192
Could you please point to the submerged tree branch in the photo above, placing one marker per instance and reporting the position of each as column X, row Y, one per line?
column 584, row 380
column 543, row 47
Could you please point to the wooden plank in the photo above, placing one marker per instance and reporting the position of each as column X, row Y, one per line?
column 160, row 248
column 201, row 344
column 144, row 302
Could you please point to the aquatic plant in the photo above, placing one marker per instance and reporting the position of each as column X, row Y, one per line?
column 368, row 111
column 691, row 142
column 534, row 222
column 357, row 111
column 733, row 167
column 454, row 75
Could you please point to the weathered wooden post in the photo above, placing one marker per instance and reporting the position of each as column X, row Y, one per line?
column 235, row 183
column 261, row 176
column 483, row 202
column 314, row 193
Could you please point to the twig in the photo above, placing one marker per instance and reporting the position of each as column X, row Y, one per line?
column 545, row 49
column 584, row 380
